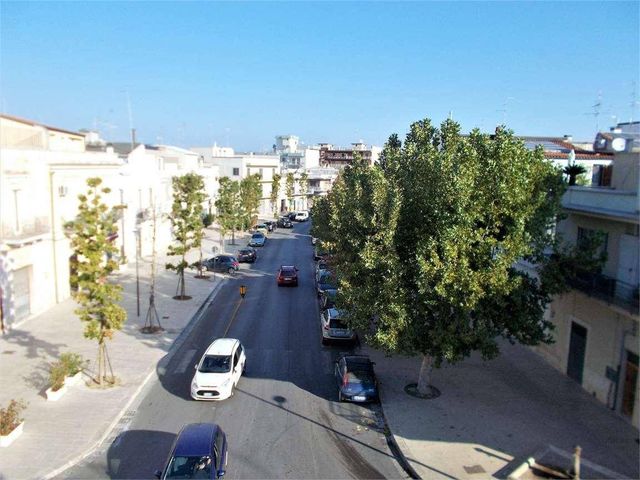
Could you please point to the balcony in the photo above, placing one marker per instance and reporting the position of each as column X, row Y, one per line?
column 609, row 289
column 602, row 202
column 30, row 230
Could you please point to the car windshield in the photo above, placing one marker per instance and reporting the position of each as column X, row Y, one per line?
column 360, row 378
column 327, row 279
column 189, row 467
column 257, row 236
column 288, row 271
column 215, row 364
column 244, row 251
column 337, row 323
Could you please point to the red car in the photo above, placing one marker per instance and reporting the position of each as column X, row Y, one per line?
column 287, row 275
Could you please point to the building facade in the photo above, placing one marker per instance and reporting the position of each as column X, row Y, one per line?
column 596, row 322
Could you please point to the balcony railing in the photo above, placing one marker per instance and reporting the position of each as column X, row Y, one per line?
column 28, row 229
column 602, row 201
column 609, row 289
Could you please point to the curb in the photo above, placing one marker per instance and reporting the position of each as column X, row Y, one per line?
column 396, row 450
column 175, row 346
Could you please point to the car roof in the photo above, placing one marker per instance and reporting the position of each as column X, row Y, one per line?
column 258, row 234
column 195, row 439
column 222, row 346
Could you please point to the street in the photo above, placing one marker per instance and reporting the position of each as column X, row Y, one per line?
column 284, row 420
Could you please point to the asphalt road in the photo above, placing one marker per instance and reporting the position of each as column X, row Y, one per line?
column 284, row 420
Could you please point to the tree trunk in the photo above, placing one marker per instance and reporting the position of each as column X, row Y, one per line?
column 424, row 379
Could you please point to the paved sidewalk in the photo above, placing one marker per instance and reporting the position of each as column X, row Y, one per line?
column 59, row 433
column 491, row 416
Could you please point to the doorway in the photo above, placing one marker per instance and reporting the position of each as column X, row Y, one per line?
column 577, row 350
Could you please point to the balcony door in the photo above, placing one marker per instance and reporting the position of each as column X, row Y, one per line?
column 577, row 350
column 630, row 385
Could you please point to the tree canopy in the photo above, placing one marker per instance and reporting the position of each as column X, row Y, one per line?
column 250, row 196
column 186, row 220
column 91, row 236
column 427, row 241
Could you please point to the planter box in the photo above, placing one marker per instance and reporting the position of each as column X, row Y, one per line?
column 55, row 396
column 73, row 380
column 6, row 440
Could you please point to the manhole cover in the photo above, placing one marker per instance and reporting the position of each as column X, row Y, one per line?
column 412, row 389
column 474, row 469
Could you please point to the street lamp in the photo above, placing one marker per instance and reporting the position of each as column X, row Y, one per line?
column 243, row 290
column 137, row 232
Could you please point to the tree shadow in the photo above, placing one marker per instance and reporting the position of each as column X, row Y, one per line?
column 35, row 348
column 138, row 453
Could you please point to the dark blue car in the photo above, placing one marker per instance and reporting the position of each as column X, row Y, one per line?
column 356, row 379
column 200, row 451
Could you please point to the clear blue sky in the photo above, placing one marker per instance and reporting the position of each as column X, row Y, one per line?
column 240, row 73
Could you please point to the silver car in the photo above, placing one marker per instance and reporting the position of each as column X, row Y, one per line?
column 334, row 329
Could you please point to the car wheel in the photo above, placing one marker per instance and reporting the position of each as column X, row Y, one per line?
column 244, row 368
column 340, row 397
column 231, row 271
column 324, row 341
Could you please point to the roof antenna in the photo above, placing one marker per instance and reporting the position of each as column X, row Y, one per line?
column 133, row 130
column 596, row 110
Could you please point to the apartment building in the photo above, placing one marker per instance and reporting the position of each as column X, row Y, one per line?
column 42, row 171
column 339, row 157
column 237, row 166
column 596, row 323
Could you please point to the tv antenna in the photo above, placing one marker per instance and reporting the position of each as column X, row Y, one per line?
column 505, row 109
column 596, row 110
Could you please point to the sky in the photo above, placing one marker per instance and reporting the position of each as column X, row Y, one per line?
column 240, row 73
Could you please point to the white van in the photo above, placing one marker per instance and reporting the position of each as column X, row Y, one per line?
column 301, row 216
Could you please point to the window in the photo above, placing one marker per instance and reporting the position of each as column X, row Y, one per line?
column 601, row 175
column 236, row 172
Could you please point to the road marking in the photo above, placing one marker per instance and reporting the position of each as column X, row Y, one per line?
column 184, row 363
column 233, row 317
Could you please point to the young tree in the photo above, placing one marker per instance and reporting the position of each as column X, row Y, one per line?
column 228, row 206
column 427, row 241
column 97, row 297
column 275, row 192
column 290, row 188
column 186, row 220
column 250, row 196
column 303, row 183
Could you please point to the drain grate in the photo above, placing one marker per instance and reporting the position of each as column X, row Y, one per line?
column 474, row 469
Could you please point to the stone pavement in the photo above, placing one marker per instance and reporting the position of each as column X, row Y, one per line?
column 56, row 434
column 490, row 417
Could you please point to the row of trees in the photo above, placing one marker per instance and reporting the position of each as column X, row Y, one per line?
column 290, row 185
column 426, row 244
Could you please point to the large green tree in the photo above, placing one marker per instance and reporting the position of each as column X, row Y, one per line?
column 186, row 220
column 90, row 234
column 275, row 192
column 303, row 183
column 427, row 242
column 228, row 206
column 250, row 196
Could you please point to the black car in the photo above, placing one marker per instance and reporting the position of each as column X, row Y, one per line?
column 356, row 379
column 284, row 222
column 292, row 215
column 247, row 254
column 199, row 451
column 328, row 298
column 271, row 225
column 222, row 263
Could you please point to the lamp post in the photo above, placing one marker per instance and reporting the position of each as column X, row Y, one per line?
column 137, row 232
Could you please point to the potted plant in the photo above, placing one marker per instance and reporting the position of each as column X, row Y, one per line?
column 57, row 373
column 74, row 365
column 11, row 422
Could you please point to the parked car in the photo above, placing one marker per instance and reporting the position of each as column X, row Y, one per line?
column 334, row 329
column 221, row 263
column 257, row 240
column 262, row 228
column 320, row 253
column 326, row 280
column 313, row 240
column 356, row 379
column 199, row 451
column 287, row 275
column 284, row 222
column 271, row 225
column 321, row 266
column 247, row 254
column 302, row 216
column 219, row 370
column 292, row 215
column 328, row 298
